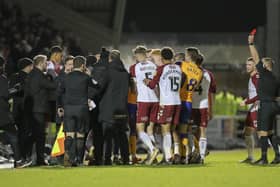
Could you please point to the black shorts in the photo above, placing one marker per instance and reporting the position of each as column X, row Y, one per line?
column 266, row 115
column 76, row 118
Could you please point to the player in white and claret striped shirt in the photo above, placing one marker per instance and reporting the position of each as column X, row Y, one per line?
column 168, row 77
column 251, row 101
column 202, row 109
column 147, row 101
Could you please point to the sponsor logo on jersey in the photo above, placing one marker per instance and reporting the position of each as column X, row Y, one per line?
column 170, row 72
column 194, row 70
column 147, row 68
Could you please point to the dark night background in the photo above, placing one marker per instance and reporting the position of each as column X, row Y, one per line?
column 194, row 15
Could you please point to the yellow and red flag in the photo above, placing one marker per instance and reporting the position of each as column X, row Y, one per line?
column 58, row 147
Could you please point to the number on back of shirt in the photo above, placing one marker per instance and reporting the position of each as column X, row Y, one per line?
column 199, row 90
column 191, row 85
column 175, row 84
column 149, row 75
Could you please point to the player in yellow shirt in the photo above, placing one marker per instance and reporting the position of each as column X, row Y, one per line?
column 193, row 75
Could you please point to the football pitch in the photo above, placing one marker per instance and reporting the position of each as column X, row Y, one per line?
column 222, row 168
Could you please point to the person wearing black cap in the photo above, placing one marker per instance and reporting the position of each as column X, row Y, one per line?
column 268, row 87
column 25, row 65
column 6, row 119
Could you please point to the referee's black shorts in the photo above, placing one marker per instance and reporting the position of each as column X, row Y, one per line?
column 266, row 115
column 76, row 118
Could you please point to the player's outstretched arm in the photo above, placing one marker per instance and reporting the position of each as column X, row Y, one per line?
column 252, row 48
column 153, row 83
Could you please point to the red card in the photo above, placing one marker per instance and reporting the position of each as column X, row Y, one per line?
column 253, row 32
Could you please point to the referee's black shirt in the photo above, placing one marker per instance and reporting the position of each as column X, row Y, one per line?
column 74, row 89
column 268, row 85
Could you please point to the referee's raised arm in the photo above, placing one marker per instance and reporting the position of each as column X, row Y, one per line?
column 252, row 48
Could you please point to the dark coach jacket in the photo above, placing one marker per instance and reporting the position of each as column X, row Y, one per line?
column 113, row 104
column 18, row 79
column 36, row 91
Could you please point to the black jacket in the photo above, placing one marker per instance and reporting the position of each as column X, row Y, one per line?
column 5, row 115
column 51, row 75
column 113, row 104
column 59, row 80
column 75, row 89
column 36, row 91
column 268, row 85
column 100, row 75
column 18, row 80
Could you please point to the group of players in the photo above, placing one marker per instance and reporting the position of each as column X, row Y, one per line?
column 174, row 97
column 172, row 94
column 170, row 101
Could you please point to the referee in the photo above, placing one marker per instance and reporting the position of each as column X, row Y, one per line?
column 267, row 92
column 76, row 112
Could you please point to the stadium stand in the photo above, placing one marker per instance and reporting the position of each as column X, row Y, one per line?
column 24, row 35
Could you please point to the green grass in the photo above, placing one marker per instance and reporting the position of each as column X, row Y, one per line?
column 221, row 169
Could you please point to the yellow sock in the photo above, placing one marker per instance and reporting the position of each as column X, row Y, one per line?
column 196, row 144
column 132, row 147
column 185, row 141
column 183, row 145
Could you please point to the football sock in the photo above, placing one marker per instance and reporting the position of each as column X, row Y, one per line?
column 70, row 148
column 176, row 148
column 202, row 147
column 159, row 141
column 167, row 142
column 132, row 142
column 250, row 142
column 80, row 149
column 264, row 146
column 275, row 145
column 190, row 139
column 184, row 143
column 196, row 144
column 146, row 140
column 152, row 138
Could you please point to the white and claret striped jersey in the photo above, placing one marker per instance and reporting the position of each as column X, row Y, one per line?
column 201, row 94
column 168, row 77
column 252, row 92
column 141, row 71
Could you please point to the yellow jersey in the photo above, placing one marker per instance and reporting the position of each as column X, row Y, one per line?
column 193, row 75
